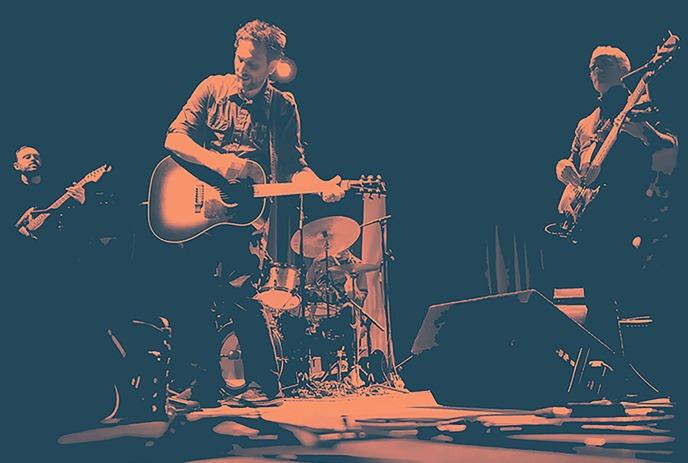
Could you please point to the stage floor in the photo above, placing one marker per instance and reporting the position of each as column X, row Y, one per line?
column 389, row 426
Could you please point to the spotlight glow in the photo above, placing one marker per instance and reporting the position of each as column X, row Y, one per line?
column 285, row 71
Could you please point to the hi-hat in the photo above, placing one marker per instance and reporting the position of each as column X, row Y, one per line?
column 337, row 233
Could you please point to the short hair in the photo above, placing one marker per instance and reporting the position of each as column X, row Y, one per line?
column 274, row 38
column 616, row 53
column 22, row 147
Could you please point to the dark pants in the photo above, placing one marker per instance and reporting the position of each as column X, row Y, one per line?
column 627, row 282
column 612, row 277
column 196, row 293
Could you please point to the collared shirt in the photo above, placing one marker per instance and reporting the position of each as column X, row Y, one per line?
column 218, row 117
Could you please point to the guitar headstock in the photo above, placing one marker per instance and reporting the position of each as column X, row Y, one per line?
column 369, row 185
column 96, row 174
column 664, row 53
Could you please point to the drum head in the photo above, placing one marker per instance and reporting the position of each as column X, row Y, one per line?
column 281, row 290
column 279, row 299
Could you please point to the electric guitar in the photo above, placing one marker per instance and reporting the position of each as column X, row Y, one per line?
column 33, row 218
column 575, row 200
column 186, row 200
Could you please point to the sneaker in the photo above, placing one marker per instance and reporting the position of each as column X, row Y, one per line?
column 193, row 399
column 182, row 405
column 252, row 398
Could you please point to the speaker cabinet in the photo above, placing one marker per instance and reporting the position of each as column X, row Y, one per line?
column 514, row 350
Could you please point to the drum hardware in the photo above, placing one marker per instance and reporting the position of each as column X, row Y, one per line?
column 318, row 239
column 355, row 268
column 328, row 342
column 339, row 367
column 322, row 239
column 320, row 235
column 281, row 290
column 357, row 372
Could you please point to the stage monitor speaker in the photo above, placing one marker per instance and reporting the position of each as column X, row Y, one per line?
column 515, row 350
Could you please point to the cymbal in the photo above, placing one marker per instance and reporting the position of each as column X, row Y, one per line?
column 338, row 232
column 358, row 267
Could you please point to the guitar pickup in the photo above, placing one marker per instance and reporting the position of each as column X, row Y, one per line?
column 199, row 195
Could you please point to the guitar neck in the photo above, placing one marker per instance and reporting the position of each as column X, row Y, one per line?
column 609, row 141
column 265, row 190
column 65, row 196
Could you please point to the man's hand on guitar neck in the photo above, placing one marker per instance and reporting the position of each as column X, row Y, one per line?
column 77, row 192
column 330, row 190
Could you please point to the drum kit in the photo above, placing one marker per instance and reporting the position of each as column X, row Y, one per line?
column 317, row 315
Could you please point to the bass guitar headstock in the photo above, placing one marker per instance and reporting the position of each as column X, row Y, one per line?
column 664, row 54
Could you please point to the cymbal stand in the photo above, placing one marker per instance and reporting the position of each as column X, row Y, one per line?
column 329, row 291
column 328, row 278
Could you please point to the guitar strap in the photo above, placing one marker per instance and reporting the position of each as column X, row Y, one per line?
column 277, row 228
column 272, row 127
column 271, row 135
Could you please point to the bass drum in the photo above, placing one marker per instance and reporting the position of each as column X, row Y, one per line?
column 231, row 362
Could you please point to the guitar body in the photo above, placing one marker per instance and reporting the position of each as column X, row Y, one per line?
column 30, row 223
column 572, row 205
column 186, row 200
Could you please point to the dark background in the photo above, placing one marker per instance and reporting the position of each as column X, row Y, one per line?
column 464, row 116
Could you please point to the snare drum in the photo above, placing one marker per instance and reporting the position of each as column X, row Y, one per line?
column 281, row 290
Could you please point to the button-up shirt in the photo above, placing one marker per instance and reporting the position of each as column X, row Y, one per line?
column 218, row 117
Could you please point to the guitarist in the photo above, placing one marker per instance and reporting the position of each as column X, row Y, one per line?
column 227, row 120
column 43, row 285
column 33, row 189
column 611, row 243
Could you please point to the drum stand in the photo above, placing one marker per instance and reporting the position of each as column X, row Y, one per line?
column 307, row 381
column 329, row 291
column 357, row 312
